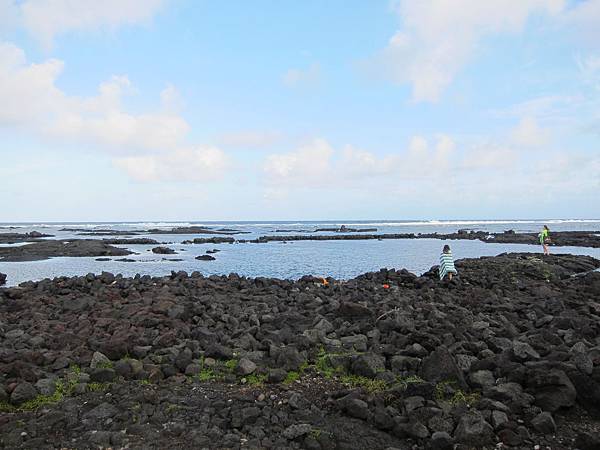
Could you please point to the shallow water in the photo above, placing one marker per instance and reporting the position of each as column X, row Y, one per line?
column 339, row 259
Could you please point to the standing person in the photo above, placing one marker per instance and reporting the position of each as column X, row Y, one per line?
column 545, row 239
column 447, row 264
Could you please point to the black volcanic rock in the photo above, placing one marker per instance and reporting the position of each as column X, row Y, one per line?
column 205, row 258
column 163, row 250
column 53, row 248
column 2, row 279
column 185, row 359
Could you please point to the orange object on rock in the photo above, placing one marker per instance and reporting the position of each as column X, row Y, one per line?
column 386, row 286
column 325, row 282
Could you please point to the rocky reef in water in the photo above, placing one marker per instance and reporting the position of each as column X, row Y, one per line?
column 52, row 248
column 508, row 353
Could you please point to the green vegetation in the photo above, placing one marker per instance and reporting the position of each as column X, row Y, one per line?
column 104, row 365
column 206, row 374
column 448, row 391
column 256, row 380
column 95, row 387
column 371, row 386
column 291, row 377
column 231, row 364
column 61, row 390
column 316, row 433
column 403, row 382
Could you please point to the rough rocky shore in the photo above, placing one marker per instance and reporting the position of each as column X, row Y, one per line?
column 559, row 238
column 508, row 355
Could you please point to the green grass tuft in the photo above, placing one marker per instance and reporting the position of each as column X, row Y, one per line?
column 371, row 386
column 256, row 380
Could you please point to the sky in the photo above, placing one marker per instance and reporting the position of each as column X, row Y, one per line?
column 134, row 110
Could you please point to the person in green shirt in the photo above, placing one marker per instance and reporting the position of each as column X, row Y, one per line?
column 545, row 239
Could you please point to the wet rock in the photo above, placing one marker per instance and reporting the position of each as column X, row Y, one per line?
column 2, row 278
column 205, row 258
column 163, row 251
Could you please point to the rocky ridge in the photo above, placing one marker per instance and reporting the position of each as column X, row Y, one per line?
column 509, row 353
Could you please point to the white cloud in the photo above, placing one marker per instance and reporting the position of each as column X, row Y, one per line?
column 191, row 164
column 318, row 164
column 529, row 134
column 32, row 101
column 46, row 19
column 303, row 77
column 308, row 165
column 250, row 139
column 438, row 38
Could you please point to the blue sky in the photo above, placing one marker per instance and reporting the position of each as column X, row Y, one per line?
column 265, row 110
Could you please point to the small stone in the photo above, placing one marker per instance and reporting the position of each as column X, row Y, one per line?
column 99, row 360
column 245, row 367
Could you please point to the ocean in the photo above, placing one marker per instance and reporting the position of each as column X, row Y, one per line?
column 338, row 259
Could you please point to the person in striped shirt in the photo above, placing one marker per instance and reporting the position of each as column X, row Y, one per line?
column 447, row 264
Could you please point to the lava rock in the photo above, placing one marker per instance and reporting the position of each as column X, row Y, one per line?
column 473, row 430
column 544, row 423
column 23, row 392
column 163, row 251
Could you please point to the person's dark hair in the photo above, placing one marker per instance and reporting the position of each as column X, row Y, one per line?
column 446, row 248
column 546, row 227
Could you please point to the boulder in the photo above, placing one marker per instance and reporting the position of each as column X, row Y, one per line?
column 440, row 440
column 544, row 423
column 552, row 389
column 163, row 251
column 473, row 430
column 441, row 366
column 205, row 258
column 368, row 365
column 2, row 278
column 23, row 392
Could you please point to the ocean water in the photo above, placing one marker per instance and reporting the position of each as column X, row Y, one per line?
column 338, row 259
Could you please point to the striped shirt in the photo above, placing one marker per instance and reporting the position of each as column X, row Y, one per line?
column 446, row 264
